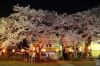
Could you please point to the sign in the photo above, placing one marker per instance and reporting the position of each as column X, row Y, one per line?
column 52, row 49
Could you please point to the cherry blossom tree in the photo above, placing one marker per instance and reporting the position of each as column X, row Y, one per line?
column 36, row 26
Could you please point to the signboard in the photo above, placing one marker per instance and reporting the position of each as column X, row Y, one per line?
column 52, row 49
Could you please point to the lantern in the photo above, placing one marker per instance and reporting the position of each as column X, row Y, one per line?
column 4, row 50
column 13, row 50
column 22, row 50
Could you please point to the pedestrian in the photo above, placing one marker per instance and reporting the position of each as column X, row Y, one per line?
column 30, row 56
column 33, row 57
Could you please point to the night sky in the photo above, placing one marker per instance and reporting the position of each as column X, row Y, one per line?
column 61, row 6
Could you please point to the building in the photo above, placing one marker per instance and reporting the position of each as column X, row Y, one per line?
column 95, row 47
column 53, row 50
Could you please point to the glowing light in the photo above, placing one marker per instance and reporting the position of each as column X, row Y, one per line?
column 56, row 50
column 89, row 47
column 33, row 48
column 70, row 50
column 95, row 46
column 38, row 50
column 80, row 49
column 43, row 50
column 13, row 50
column 22, row 50
column 4, row 50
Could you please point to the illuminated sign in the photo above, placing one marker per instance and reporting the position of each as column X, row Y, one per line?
column 52, row 49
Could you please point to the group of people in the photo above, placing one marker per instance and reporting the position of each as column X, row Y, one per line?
column 32, row 56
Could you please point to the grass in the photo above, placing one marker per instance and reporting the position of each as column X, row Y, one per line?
column 20, row 63
column 58, row 63
column 83, row 63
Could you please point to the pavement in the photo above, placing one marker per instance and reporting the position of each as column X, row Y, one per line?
column 98, row 62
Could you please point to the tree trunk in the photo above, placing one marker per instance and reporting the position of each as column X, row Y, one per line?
column 87, row 44
column 75, row 53
column 86, row 52
column 38, row 54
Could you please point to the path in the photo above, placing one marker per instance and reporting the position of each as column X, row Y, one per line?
column 98, row 62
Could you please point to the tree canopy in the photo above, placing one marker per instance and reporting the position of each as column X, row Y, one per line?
column 31, row 24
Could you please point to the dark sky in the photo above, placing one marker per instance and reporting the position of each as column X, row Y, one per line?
column 61, row 6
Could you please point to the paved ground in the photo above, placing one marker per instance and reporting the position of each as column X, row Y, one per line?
column 98, row 62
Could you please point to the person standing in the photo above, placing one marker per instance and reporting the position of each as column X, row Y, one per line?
column 33, row 56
